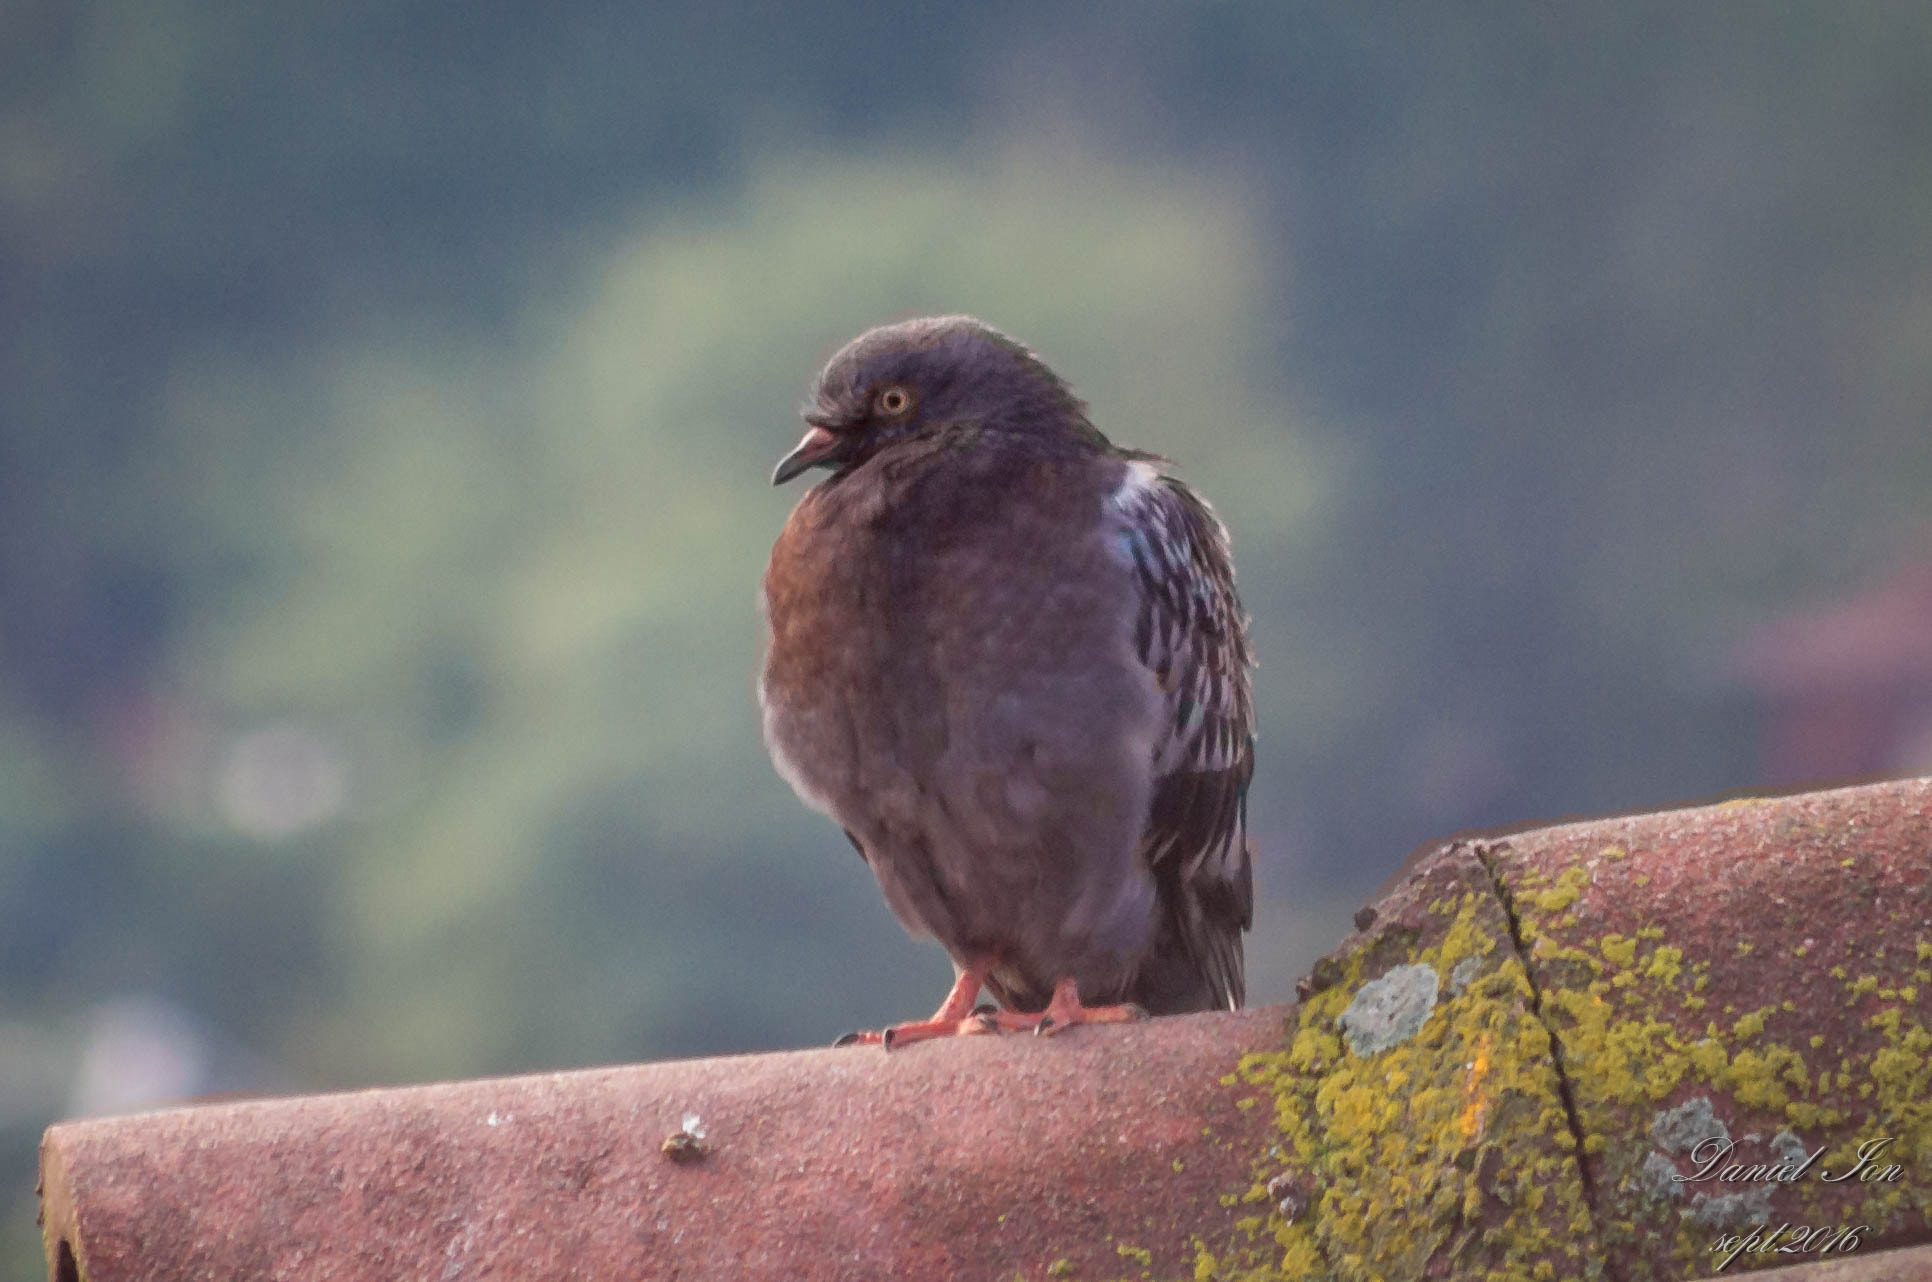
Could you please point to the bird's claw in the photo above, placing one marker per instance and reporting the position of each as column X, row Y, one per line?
column 1066, row 1010
column 982, row 1020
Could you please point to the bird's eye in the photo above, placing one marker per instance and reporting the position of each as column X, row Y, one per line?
column 893, row 400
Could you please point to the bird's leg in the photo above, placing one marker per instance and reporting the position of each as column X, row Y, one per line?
column 1064, row 1010
column 955, row 1016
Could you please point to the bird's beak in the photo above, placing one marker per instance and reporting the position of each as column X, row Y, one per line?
column 818, row 445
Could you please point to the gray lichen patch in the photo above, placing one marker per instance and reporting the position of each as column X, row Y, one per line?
column 1390, row 1010
column 1681, row 1129
column 1731, row 1210
column 1789, row 1147
column 1658, row 1177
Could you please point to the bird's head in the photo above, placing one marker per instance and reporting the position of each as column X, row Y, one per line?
column 901, row 380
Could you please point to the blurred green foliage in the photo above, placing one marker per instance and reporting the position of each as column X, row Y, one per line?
column 387, row 394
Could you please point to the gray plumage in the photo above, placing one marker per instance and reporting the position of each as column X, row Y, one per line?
column 1008, row 659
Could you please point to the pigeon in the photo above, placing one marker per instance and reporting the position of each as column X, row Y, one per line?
column 1006, row 656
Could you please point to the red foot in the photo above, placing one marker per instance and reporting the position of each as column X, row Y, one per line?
column 954, row 1018
column 957, row 1018
column 1064, row 1011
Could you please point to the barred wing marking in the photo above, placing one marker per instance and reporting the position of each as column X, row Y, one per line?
column 1192, row 635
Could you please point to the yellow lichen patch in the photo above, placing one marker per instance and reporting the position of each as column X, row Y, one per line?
column 1452, row 1149
column 1622, row 1023
column 1665, row 964
column 1449, row 1144
column 1564, row 892
column 1759, row 1078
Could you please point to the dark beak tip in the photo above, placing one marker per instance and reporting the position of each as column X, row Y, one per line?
column 817, row 445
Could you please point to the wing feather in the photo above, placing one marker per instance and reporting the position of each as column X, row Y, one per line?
column 1191, row 633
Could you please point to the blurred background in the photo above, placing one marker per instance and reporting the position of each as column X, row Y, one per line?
column 388, row 393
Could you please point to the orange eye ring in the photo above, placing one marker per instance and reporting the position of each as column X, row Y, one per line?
column 893, row 401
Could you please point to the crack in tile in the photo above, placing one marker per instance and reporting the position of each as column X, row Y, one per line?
column 1483, row 851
